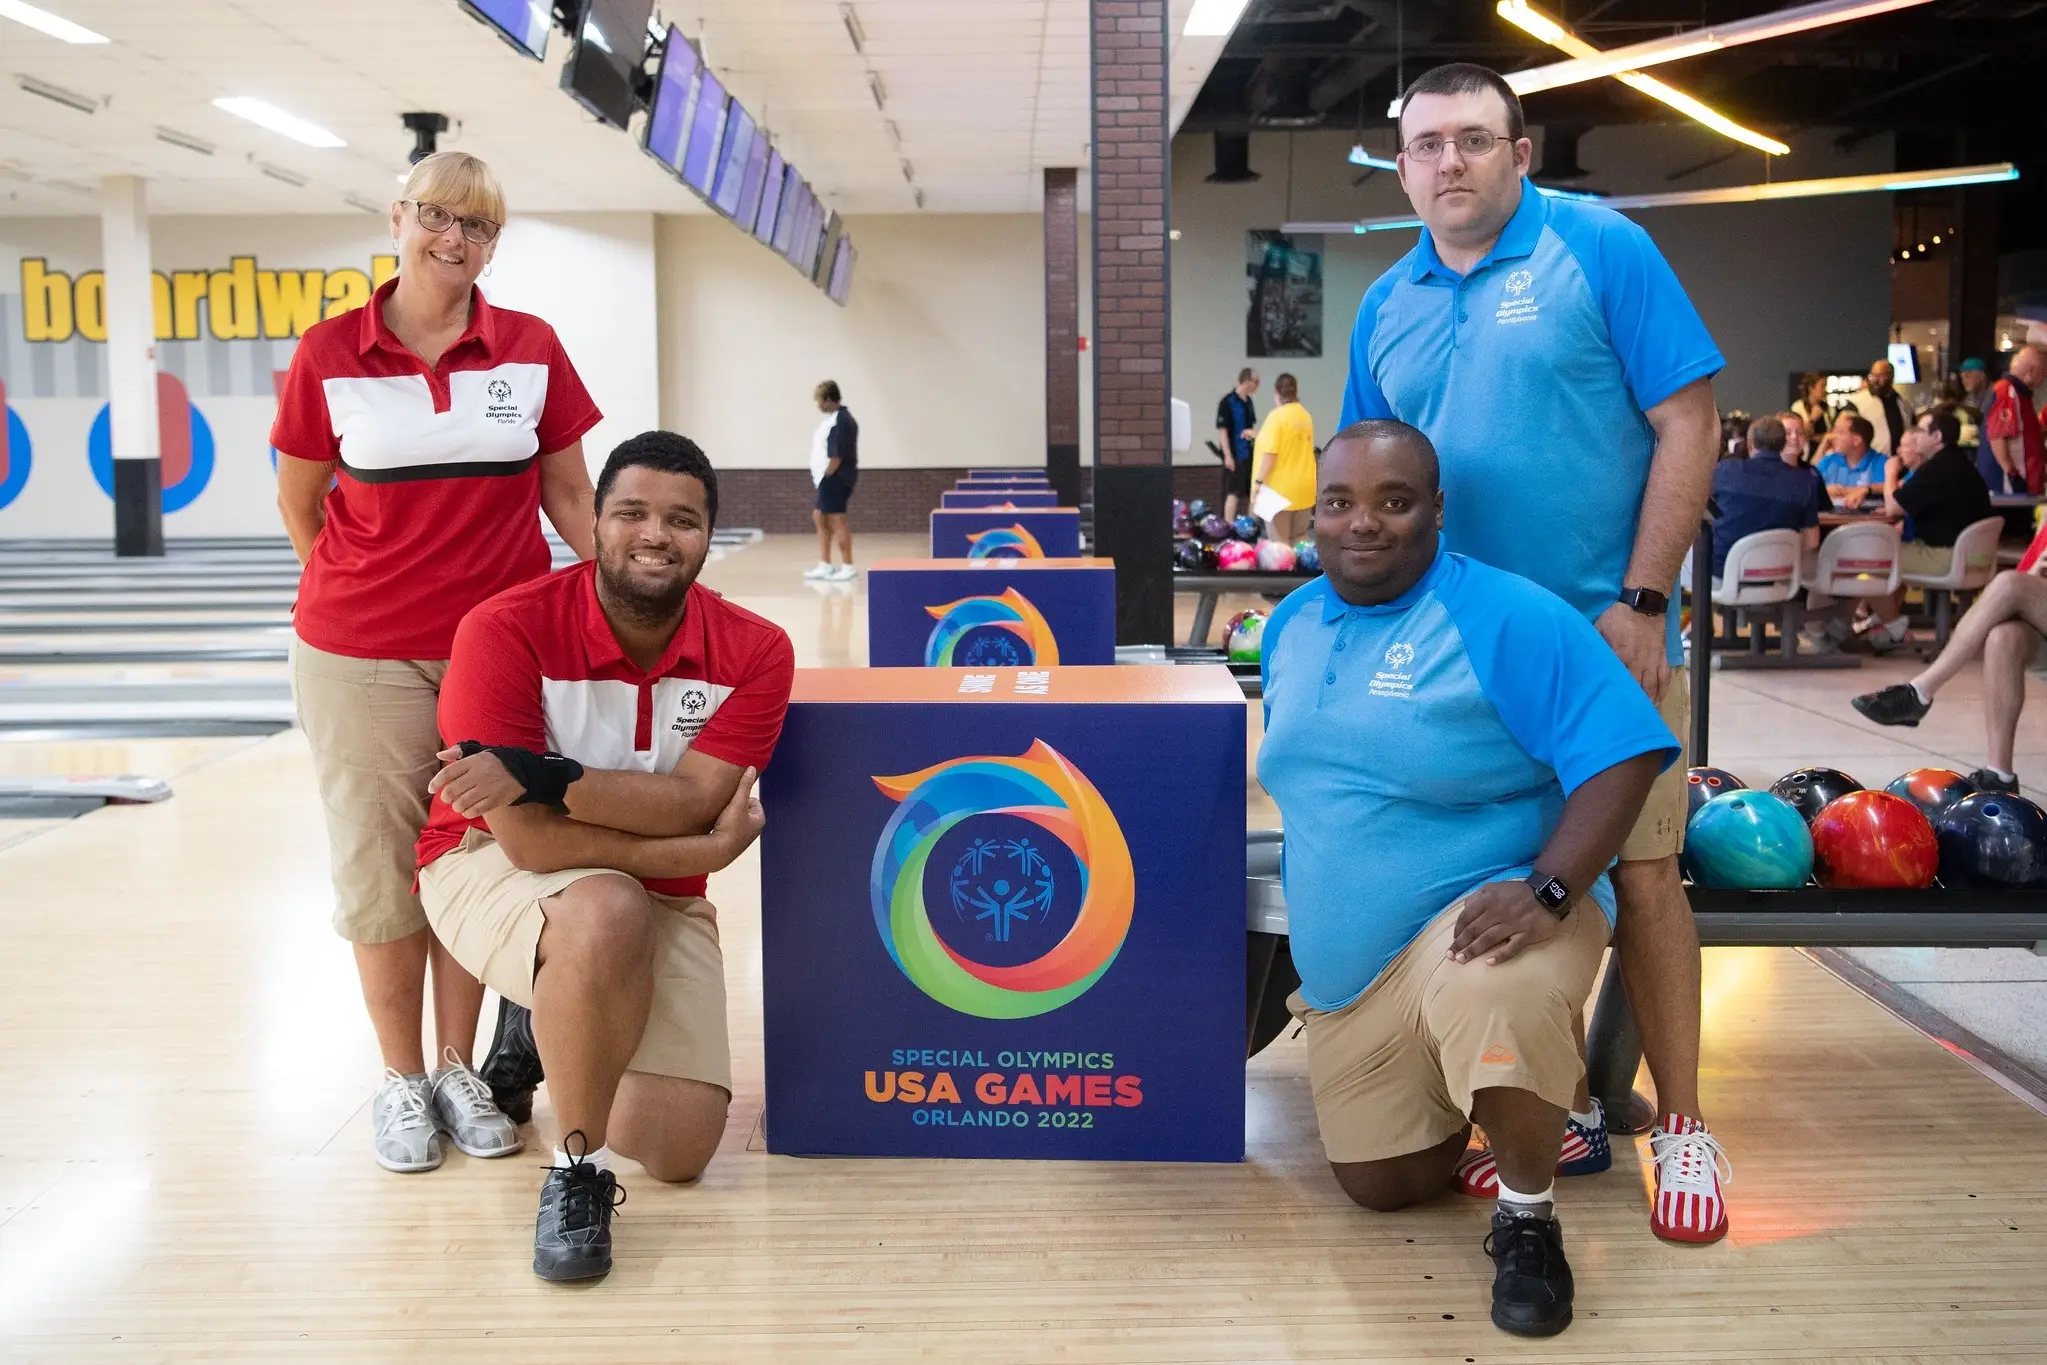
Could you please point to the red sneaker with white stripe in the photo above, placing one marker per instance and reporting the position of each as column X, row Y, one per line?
column 1690, row 1169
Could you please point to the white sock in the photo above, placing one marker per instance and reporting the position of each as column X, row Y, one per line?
column 1536, row 1205
column 601, row 1159
column 1920, row 693
column 1591, row 1118
column 2003, row 776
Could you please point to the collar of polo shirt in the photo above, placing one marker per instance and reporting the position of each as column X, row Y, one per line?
column 601, row 646
column 374, row 332
column 1517, row 239
column 1334, row 608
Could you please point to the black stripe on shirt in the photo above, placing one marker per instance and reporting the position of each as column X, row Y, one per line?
column 458, row 469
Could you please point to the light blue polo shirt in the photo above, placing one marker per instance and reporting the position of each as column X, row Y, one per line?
column 1424, row 747
column 1836, row 472
column 1531, row 376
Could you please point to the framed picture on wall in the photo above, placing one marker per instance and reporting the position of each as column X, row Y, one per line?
column 1284, row 274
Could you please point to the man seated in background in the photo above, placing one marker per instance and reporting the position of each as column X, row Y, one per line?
column 1851, row 469
column 2003, row 627
column 572, row 882
column 1763, row 493
column 1939, row 495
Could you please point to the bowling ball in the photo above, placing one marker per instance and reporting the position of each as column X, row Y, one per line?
column 1179, row 509
column 1248, row 528
column 1246, row 637
column 1933, row 790
column 1703, row 784
column 1208, row 564
column 1992, row 839
column 1182, row 526
column 1275, row 556
column 1197, row 509
column 1187, row 554
column 1306, row 556
column 1748, row 839
column 1235, row 555
column 1213, row 529
column 1810, row 789
column 1873, row 839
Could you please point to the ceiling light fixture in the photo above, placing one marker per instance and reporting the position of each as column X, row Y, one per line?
column 1677, row 46
column 909, row 172
column 84, row 104
column 291, row 178
column 853, row 29
column 1538, row 25
column 1989, row 173
column 895, row 134
column 1214, row 18
column 266, row 115
column 363, row 202
column 878, row 90
column 42, row 21
column 1360, row 157
column 185, row 140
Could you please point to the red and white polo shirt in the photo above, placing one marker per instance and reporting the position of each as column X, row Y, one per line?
column 437, row 504
column 539, row 667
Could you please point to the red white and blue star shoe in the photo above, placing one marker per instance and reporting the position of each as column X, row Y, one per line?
column 1586, row 1152
column 1690, row 1169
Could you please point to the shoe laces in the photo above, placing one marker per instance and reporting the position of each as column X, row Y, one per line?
column 471, row 1095
column 1686, row 1159
column 406, row 1102
column 586, row 1192
column 1527, row 1244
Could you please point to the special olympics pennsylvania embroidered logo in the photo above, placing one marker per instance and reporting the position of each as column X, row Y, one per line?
column 1006, row 631
column 1400, row 655
column 1007, row 883
column 1520, row 282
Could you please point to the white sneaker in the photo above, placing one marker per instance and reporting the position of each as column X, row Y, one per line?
column 1690, row 1169
column 818, row 570
column 462, row 1108
column 843, row 573
column 402, row 1131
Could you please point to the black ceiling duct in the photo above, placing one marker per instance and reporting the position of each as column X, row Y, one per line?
column 1232, row 160
column 1559, row 156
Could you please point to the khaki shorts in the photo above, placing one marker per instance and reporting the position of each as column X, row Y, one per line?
column 1394, row 1070
column 372, row 728
column 1659, row 831
column 1929, row 560
column 487, row 913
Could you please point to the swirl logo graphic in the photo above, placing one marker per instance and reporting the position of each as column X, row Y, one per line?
column 1012, row 541
column 1005, row 888
column 990, row 632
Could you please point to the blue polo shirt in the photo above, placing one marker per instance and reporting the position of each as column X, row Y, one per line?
column 1531, row 375
column 1762, row 493
column 1836, row 472
column 1424, row 747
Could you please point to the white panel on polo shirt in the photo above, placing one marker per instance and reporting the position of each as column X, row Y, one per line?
column 596, row 722
column 389, row 424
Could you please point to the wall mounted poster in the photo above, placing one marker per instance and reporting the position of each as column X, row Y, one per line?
column 1285, row 278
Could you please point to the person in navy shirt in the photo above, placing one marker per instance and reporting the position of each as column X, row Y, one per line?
column 1549, row 353
column 1236, row 423
column 1457, row 757
column 1762, row 493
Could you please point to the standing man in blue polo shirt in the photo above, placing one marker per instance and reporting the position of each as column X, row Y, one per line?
column 1550, row 354
column 1456, row 756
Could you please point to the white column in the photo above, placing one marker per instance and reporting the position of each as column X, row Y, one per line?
column 131, row 366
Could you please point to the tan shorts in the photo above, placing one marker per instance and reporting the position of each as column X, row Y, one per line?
column 487, row 913
column 1929, row 560
column 1659, row 831
column 1394, row 1070
column 373, row 733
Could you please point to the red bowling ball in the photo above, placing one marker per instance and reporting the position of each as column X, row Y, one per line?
column 1871, row 838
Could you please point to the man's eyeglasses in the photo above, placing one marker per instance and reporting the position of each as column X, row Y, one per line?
column 434, row 218
column 1472, row 144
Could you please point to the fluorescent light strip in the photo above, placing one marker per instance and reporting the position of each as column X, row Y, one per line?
column 42, row 21
column 1989, row 173
column 1360, row 157
column 1214, row 18
column 266, row 115
column 1678, row 46
column 84, row 104
column 1539, row 25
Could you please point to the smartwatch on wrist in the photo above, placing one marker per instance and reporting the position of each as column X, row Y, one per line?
column 1648, row 601
column 1551, row 894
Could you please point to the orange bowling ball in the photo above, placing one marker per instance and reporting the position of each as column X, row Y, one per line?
column 1872, row 838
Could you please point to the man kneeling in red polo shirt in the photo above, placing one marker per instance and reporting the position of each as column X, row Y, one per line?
column 607, row 724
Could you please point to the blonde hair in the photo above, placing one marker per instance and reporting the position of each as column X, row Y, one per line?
column 457, row 180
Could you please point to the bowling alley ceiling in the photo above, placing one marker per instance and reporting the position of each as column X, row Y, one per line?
column 964, row 101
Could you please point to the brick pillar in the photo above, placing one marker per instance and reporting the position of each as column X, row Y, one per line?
column 1132, row 174
column 1062, row 333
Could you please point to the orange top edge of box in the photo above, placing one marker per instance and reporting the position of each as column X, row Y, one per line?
column 1111, row 683
column 980, row 565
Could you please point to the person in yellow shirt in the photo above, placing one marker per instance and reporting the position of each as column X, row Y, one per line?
column 1285, row 458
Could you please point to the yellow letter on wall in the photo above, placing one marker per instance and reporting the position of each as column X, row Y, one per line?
column 45, row 302
column 231, row 301
column 346, row 289
column 291, row 301
column 89, row 305
column 160, row 296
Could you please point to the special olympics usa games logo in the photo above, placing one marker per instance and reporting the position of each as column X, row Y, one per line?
column 1012, row 542
column 990, row 632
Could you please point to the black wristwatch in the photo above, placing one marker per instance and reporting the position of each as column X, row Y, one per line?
column 1648, row 601
column 1551, row 894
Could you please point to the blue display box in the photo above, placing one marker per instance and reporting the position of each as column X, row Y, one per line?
column 997, row 497
column 1024, row 532
column 986, row 931
column 1007, row 472
column 1005, row 481
column 990, row 613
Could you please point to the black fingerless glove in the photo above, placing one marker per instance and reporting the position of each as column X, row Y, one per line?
column 546, row 777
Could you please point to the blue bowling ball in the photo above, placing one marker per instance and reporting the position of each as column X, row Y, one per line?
column 1992, row 839
column 1750, row 840
column 1307, row 557
column 1248, row 527
column 1703, row 784
column 1197, row 509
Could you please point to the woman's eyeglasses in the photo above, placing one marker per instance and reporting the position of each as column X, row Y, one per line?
column 434, row 218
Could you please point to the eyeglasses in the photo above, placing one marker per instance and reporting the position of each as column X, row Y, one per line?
column 434, row 218
column 1472, row 144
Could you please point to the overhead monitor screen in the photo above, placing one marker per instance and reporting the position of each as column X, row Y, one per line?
column 828, row 250
column 754, row 182
column 771, row 198
column 706, row 132
column 668, row 118
column 805, row 258
column 792, row 209
column 1904, row 361
column 610, row 47
column 842, row 271
column 801, row 249
column 732, row 161
column 522, row 23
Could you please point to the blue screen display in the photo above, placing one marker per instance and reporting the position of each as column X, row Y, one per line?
column 732, row 164
column 706, row 132
column 668, row 119
column 522, row 23
column 756, row 176
column 792, row 208
column 771, row 198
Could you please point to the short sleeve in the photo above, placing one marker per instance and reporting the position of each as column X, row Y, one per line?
column 1832, row 469
column 303, row 428
column 1222, row 413
column 1556, row 685
column 1275, row 626
column 2001, row 423
column 747, row 723
column 569, row 411
column 1362, row 398
column 1662, row 342
column 491, row 693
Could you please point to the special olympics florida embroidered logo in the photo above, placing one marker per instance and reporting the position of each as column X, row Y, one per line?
column 499, row 391
column 1048, row 792
column 1013, row 541
column 990, row 632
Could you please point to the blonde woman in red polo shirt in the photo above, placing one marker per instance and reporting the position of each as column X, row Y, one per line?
column 443, row 427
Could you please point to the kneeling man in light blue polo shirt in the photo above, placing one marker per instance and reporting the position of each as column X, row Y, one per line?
column 1457, row 757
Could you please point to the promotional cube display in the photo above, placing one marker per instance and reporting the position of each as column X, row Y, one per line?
column 1004, row 481
column 991, row 613
column 989, row 928
column 1014, row 496
column 992, row 532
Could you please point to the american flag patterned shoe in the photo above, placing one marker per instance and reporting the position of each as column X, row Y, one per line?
column 1690, row 1169
column 1586, row 1152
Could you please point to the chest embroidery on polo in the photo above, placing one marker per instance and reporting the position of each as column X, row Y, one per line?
column 695, row 712
column 500, row 408
column 1394, row 680
column 1517, row 303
